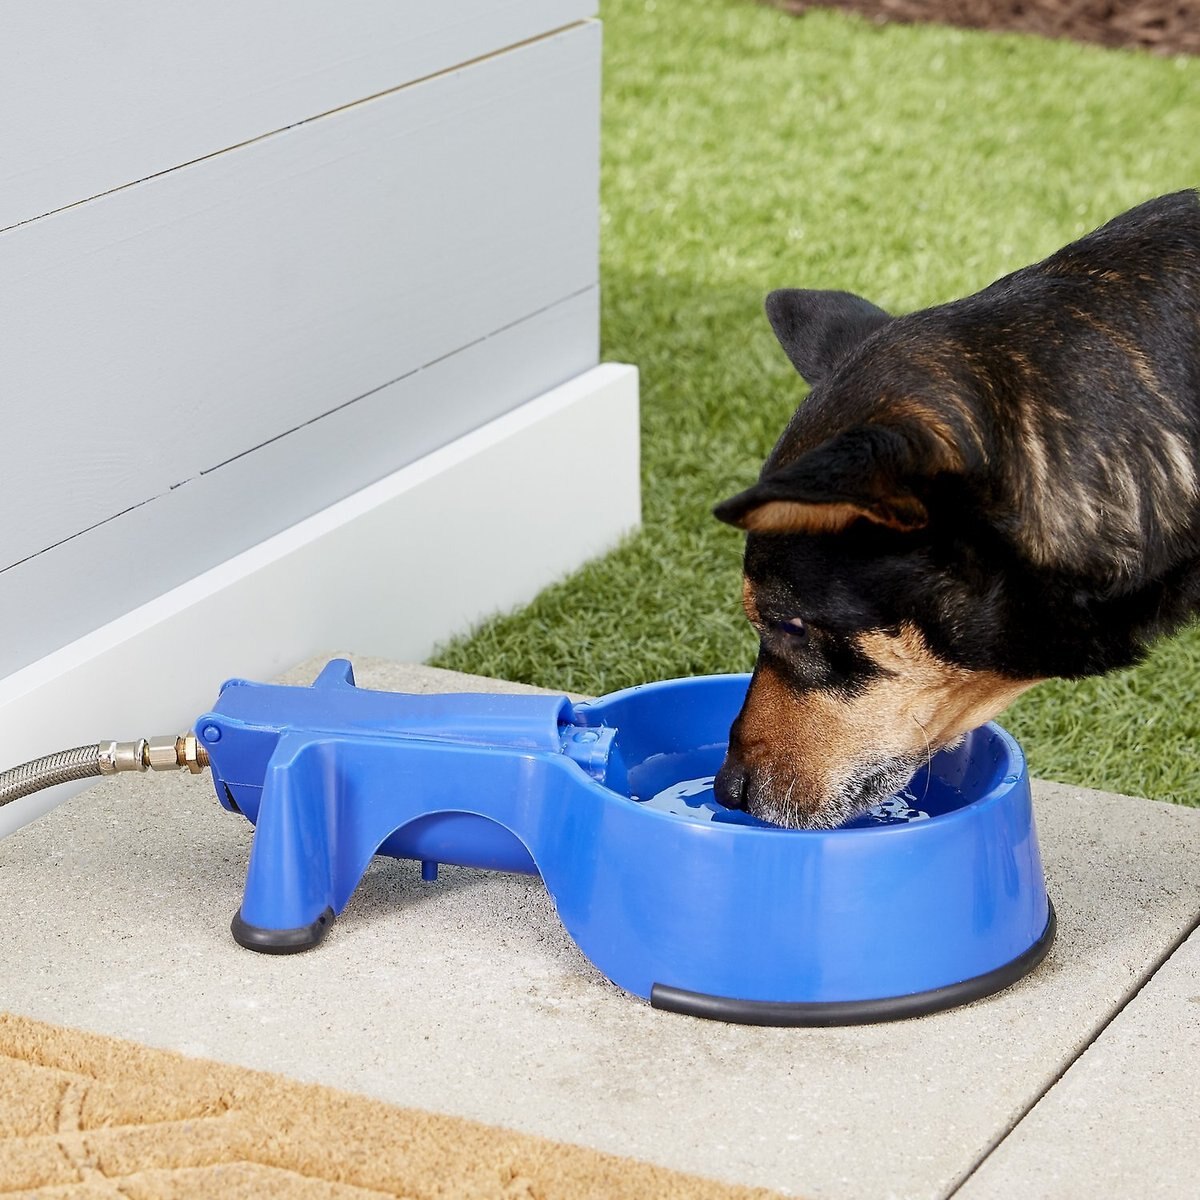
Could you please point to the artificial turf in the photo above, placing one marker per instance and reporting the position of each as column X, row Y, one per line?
column 745, row 149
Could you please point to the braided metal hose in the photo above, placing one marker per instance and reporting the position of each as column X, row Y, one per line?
column 81, row 763
column 104, row 758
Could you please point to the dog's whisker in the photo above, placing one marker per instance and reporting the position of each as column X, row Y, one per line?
column 928, row 756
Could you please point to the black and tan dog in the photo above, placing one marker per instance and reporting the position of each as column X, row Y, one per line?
column 973, row 498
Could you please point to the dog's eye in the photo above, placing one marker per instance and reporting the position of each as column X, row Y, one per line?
column 795, row 629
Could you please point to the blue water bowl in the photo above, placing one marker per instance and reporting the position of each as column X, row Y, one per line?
column 931, row 899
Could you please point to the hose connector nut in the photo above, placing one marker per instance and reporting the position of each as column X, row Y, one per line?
column 122, row 756
column 176, row 753
column 164, row 753
column 195, row 756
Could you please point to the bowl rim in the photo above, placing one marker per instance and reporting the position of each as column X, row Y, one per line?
column 1011, row 772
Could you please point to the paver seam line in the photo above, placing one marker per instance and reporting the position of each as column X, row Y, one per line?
column 998, row 1141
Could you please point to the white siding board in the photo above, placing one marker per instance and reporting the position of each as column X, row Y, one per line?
column 65, row 592
column 97, row 96
column 157, row 332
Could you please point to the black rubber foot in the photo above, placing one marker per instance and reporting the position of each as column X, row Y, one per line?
column 280, row 941
column 854, row 1012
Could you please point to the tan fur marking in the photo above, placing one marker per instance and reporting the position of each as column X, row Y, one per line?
column 806, row 748
column 946, row 700
column 948, row 455
column 797, row 745
column 1184, row 473
column 749, row 604
column 1035, row 453
column 788, row 516
column 791, row 516
column 1068, row 522
column 1145, row 373
column 936, row 364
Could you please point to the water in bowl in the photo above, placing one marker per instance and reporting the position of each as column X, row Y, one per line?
column 682, row 784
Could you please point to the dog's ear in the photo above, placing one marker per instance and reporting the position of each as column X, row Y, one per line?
column 866, row 473
column 818, row 329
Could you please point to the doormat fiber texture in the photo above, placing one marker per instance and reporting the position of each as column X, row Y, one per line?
column 84, row 1116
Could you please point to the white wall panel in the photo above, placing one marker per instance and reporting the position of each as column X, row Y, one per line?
column 152, row 334
column 61, row 594
column 98, row 95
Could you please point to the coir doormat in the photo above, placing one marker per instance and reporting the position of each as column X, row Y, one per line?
column 84, row 1116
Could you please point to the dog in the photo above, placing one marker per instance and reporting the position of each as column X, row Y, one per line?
column 972, row 499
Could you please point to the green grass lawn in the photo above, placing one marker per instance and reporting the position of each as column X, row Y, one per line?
column 745, row 150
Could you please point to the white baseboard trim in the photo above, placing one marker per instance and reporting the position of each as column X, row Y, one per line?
column 476, row 527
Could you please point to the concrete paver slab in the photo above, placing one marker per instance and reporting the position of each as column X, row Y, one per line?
column 1125, row 1119
column 467, row 997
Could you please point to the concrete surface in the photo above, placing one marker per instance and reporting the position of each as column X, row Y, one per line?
column 466, row 996
column 1125, row 1119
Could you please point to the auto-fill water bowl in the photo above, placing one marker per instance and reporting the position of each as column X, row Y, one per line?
column 934, row 899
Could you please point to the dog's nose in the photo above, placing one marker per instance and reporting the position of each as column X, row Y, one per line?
column 729, row 787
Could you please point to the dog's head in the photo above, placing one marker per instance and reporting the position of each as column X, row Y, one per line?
column 869, row 546
column 973, row 497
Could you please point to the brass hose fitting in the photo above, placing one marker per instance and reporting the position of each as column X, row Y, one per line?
column 171, row 753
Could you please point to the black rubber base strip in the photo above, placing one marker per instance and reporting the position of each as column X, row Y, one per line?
column 854, row 1012
column 280, row 941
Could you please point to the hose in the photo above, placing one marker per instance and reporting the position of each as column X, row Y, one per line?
column 104, row 758
column 80, row 763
